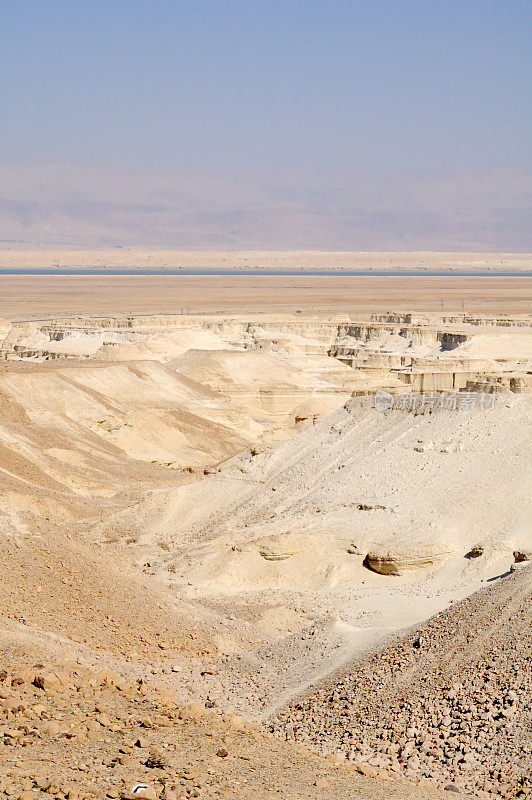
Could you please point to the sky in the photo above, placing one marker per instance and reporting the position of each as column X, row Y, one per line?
column 276, row 85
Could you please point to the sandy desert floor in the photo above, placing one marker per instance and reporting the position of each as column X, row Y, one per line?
column 266, row 259
column 205, row 515
column 29, row 296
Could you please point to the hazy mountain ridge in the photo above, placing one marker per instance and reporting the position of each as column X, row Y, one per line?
column 98, row 206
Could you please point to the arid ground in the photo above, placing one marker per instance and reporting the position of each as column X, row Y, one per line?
column 23, row 296
column 265, row 537
column 128, row 258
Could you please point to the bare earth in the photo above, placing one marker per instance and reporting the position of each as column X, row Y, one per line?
column 453, row 692
column 22, row 297
column 205, row 515
column 265, row 259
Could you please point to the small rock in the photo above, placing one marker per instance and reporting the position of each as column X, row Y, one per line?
column 169, row 794
column 143, row 790
column 142, row 742
column 192, row 712
column 365, row 769
column 48, row 682
column 155, row 760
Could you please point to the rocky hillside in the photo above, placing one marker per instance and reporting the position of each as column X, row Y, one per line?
column 449, row 701
column 73, row 734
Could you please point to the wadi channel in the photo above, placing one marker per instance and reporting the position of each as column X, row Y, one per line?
column 265, row 554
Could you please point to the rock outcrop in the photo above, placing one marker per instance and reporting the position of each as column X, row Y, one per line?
column 400, row 560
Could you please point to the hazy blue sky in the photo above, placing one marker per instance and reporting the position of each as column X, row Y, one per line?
column 269, row 84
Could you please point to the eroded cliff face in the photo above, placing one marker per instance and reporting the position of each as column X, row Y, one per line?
column 213, row 500
column 406, row 330
column 300, row 362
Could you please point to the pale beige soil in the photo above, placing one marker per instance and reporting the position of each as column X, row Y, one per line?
column 263, row 259
column 196, row 501
column 22, row 297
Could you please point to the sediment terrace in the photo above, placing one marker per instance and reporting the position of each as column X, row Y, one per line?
column 424, row 352
column 213, row 502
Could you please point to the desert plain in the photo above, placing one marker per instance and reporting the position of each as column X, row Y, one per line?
column 256, row 260
column 265, row 536
column 27, row 296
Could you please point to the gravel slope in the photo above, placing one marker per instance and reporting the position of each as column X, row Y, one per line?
column 449, row 701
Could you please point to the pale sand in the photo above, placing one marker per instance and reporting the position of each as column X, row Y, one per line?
column 240, row 587
column 263, row 259
column 23, row 297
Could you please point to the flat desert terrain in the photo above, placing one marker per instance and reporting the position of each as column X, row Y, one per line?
column 264, row 259
column 24, row 296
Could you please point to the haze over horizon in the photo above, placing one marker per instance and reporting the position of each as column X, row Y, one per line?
column 389, row 126
column 87, row 206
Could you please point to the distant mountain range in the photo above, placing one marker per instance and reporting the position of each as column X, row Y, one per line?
column 100, row 206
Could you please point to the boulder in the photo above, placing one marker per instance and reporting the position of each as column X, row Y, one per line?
column 401, row 559
column 279, row 548
column 517, row 566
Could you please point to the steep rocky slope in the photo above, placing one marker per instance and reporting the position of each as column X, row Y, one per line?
column 449, row 701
